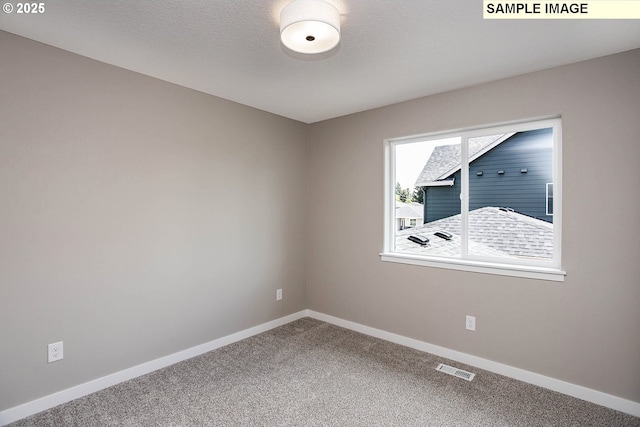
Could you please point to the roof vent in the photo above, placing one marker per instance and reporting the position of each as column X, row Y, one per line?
column 421, row 240
column 506, row 209
column 524, row 170
column 479, row 173
column 443, row 235
column 501, row 172
column 455, row 372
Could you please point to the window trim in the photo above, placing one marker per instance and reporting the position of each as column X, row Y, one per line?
column 543, row 270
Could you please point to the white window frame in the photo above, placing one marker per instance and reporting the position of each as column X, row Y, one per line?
column 536, row 269
column 549, row 185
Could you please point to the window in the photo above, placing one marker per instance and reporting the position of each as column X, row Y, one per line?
column 487, row 199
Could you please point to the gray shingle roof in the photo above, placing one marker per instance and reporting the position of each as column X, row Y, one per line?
column 492, row 232
column 445, row 159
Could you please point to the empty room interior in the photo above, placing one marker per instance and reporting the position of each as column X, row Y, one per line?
column 178, row 179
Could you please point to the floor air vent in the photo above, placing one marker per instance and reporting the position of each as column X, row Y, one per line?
column 455, row 372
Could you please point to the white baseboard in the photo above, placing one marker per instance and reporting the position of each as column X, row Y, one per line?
column 22, row 411
column 580, row 392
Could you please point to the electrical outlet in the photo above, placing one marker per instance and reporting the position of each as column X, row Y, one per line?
column 55, row 352
column 471, row 323
column 278, row 294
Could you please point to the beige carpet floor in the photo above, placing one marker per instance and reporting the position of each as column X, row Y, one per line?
column 310, row 373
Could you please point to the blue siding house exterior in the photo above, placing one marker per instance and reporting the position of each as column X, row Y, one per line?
column 513, row 171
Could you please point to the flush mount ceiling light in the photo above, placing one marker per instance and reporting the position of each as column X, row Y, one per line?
column 310, row 26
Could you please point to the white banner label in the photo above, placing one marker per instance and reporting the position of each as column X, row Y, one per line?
column 587, row 9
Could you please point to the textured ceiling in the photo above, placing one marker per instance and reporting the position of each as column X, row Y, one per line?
column 390, row 51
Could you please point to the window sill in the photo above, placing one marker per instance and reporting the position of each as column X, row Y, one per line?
column 478, row 267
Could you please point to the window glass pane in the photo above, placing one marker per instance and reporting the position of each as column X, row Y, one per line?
column 429, row 172
column 508, row 201
column 496, row 206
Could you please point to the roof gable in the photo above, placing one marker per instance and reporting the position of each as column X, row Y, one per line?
column 445, row 159
column 411, row 210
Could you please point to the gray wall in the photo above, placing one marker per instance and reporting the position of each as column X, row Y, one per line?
column 137, row 218
column 584, row 330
